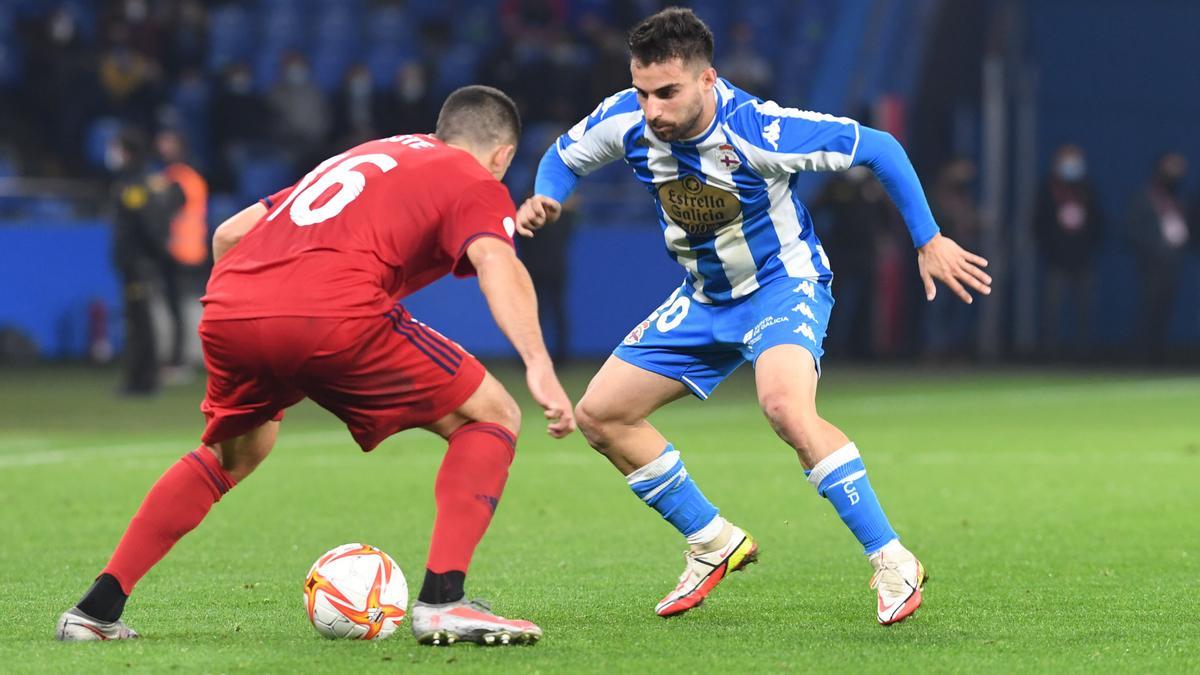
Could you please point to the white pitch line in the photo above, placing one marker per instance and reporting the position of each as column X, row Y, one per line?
column 60, row 455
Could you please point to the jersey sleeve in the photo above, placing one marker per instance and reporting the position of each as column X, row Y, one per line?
column 482, row 210
column 779, row 140
column 599, row 138
column 276, row 199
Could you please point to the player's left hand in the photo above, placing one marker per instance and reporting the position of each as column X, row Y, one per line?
column 943, row 259
column 546, row 389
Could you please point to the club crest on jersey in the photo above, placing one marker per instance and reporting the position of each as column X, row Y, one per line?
column 727, row 158
column 635, row 335
column 697, row 207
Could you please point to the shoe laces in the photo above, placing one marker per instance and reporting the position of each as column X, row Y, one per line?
column 889, row 578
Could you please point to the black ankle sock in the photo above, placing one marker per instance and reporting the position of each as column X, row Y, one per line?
column 105, row 600
column 442, row 588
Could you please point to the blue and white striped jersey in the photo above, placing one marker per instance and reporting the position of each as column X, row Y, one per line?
column 726, row 200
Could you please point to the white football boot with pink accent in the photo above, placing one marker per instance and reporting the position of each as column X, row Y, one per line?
column 75, row 626
column 898, row 581
column 469, row 621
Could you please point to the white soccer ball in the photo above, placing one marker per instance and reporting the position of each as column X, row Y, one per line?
column 356, row 591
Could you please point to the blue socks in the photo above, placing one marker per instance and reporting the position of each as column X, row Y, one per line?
column 842, row 479
column 664, row 484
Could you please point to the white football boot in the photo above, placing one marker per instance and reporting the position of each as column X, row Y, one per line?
column 705, row 570
column 898, row 580
column 75, row 626
column 469, row 621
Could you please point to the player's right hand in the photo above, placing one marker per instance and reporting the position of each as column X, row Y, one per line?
column 536, row 212
column 549, row 393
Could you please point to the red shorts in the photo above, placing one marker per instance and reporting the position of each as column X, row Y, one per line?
column 379, row 375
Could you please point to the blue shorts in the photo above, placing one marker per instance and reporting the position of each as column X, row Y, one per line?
column 700, row 344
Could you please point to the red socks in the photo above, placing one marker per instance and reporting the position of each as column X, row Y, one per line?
column 468, row 489
column 173, row 507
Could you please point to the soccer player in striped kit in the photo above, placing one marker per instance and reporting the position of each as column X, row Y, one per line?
column 721, row 166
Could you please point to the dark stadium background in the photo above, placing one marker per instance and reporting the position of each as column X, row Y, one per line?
column 999, row 83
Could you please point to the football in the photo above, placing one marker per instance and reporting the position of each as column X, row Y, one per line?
column 355, row 591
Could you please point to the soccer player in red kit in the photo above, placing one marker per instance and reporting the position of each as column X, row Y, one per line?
column 303, row 302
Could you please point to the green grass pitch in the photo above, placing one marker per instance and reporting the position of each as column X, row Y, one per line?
column 1058, row 515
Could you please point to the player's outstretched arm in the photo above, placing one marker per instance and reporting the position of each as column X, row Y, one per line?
column 938, row 257
column 511, row 298
column 232, row 230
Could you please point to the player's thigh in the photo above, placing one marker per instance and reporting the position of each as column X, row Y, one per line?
column 785, row 325
column 677, row 341
column 626, row 394
column 490, row 403
column 381, row 375
column 243, row 391
column 785, row 377
column 240, row 455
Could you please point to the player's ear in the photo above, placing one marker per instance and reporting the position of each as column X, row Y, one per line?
column 500, row 159
column 708, row 77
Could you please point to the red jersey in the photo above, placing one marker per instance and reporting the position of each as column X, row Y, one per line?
column 362, row 230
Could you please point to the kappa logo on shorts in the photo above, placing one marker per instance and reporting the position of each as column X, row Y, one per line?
column 806, row 287
column 635, row 335
column 805, row 310
column 807, row 331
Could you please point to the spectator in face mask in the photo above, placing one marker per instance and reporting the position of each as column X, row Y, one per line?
column 1159, row 232
column 1067, row 224
column 299, row 111
column 357, row 111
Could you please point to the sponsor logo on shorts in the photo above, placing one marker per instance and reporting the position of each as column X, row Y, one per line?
column 755, row 334
column 635, row 335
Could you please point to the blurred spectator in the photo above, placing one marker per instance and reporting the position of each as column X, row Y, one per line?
column 359, row 110
column 239, row 120
column 300, row 117
column 1067, row 224
column 609, row 70
column 949, row 322
column 63, row 93
column 1159, row 230
column 143, row 205
column 409, row 106
column 744, row 66
column 129, row 80
column 187, row 241
column 855, row 209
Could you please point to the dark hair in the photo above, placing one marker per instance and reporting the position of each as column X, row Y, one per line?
column 675, row 32
column 482, row 116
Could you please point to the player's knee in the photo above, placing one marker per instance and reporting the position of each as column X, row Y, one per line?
column 510, row 415
column 795, row 423
column 591, row 422
column 502, row 409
